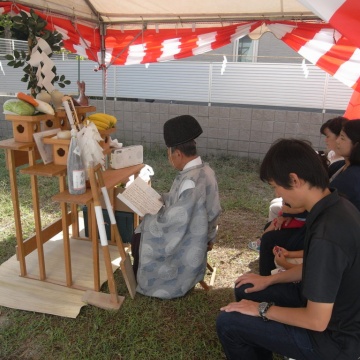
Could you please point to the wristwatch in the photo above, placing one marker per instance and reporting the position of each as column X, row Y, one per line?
column 263, row 308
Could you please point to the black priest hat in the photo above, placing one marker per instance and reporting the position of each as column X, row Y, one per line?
column 180, row 130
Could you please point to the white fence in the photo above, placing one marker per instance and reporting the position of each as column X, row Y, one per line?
column 249, row 84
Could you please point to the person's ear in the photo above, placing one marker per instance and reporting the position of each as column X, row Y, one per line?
column 295, row 180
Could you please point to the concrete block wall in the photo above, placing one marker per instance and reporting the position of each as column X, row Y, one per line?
column 228, row 130
column 239, row 131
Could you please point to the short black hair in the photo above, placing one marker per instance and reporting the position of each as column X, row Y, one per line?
column 352, row 131
column 335, row 125
column 287, row 156
column 188, row 148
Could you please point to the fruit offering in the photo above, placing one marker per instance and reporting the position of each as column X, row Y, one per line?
column 102, row 121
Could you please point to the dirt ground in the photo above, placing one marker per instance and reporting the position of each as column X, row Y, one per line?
column 231, row 254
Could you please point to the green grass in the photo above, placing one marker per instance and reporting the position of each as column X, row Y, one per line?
column 143, row 328
column 49, row 210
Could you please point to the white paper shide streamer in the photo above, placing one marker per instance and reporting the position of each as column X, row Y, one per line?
column 305, row 69
column 39, row 58
column 223, row 65
column 91, row 150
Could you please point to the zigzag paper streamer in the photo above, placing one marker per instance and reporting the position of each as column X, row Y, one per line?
column 305, row 68
column 41, row 60
column 223, row 65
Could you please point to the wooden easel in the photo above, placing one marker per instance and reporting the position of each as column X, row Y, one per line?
column 112, row 300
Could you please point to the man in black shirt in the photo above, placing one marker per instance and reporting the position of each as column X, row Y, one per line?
column 311, row 311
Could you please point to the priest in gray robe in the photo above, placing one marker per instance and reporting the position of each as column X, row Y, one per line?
column 170, row 247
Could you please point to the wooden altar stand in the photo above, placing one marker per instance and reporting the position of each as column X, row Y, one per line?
column 25, row 153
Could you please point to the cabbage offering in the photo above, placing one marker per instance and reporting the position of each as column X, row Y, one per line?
column 18, row 107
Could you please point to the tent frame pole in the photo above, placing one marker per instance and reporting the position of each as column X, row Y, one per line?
column 103, row 66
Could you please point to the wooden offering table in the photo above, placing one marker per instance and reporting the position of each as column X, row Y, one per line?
column 42, row 235
column 111, row 179
column 17, row 154
column 25, row 153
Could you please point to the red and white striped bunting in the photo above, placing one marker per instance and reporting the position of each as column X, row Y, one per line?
column 170, row 44
column 343, row 15
column 323, row 46
column 125, row 48
column 353, row 109
column 320, row 44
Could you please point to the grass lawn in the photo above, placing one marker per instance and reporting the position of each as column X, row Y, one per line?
column 144, row 328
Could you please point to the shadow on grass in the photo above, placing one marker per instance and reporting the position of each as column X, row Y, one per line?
column 143, row 328
column 182, row 328
column 7, row 248
column 148, row 328
column 254, row 266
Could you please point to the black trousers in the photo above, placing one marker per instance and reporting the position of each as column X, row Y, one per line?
column 135, row 247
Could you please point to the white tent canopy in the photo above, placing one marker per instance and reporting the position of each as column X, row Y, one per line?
column 138, row 12
column 130, row 32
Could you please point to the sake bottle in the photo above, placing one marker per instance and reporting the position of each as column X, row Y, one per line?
column 75, row 168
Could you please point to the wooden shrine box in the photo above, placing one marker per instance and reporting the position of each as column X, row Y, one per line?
column 81, row 112
column 61, row 146
column 60, row 149
column 24, row 127
column 52, row 122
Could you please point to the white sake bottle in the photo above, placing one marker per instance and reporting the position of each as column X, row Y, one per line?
column 75, row 168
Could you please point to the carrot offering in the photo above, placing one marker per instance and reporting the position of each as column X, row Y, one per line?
column 28, row 98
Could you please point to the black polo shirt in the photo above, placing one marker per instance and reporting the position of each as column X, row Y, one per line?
column 331, row 274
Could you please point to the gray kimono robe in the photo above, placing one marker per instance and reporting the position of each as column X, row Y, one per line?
column 173, row 246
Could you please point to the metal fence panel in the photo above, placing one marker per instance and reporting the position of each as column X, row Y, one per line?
column 252, row 84
column 268, row 84
column 177, row 81
column 337, row 94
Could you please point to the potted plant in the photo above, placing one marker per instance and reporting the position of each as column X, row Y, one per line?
column 31, row 28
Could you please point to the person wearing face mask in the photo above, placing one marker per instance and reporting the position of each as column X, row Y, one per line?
column 170, row 247
column 331, row 130
column 347, row 179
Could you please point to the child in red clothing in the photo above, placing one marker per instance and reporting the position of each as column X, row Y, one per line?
column 288, row 218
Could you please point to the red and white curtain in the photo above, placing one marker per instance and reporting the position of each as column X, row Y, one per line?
column 133, row 47
column 342, row 15
column 322, row 44
column 174, row 44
